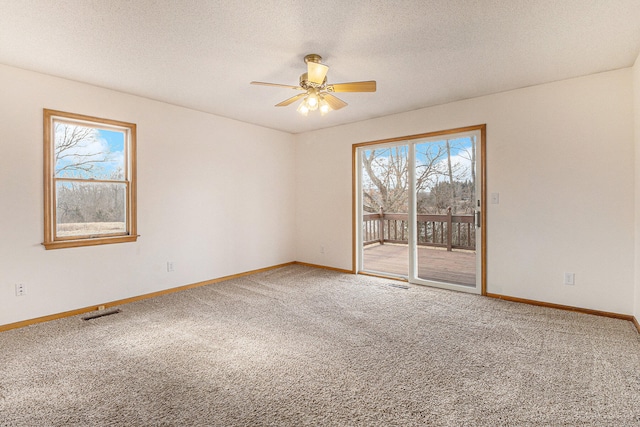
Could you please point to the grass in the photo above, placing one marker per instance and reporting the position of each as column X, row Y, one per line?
column 90, row 228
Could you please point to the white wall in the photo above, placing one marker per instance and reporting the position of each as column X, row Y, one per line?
column 561, row 156
column 215, row 196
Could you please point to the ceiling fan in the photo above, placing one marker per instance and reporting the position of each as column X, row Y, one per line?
column 316, row 92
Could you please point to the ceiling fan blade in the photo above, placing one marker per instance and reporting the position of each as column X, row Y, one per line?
column 316, row 72
column 368, row 86
column 276, row 85
column 334, row 102
column 291, row 100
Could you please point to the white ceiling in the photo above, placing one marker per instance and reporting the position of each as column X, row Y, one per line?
column 202, row 54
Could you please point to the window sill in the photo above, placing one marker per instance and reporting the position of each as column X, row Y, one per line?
column 88, row 242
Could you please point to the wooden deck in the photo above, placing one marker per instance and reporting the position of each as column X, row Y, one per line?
column 458, row 266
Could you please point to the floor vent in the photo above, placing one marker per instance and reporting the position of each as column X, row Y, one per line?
column 101, row 313
column 393, row 285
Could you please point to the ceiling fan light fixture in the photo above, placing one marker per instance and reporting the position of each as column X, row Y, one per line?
column 312, row 101
column 324, row 106
column 303, row 109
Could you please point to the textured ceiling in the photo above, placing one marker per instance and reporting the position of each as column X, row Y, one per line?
column 202, row 54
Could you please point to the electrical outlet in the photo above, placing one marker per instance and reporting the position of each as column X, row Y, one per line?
column 169, row 266
column 321, row 249
column 21, row 289
column 569, row 278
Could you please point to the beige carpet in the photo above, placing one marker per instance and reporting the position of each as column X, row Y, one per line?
column 301, row 346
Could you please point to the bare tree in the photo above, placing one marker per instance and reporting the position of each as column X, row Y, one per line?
column 69, row 154
column 470, row 154
column 386, row 170
column 387, row 177
column 385, row 180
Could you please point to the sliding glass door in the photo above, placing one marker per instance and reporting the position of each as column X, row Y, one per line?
column 418, row 208
column 385, row 207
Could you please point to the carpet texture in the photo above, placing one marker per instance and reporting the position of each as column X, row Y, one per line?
column 301, row 346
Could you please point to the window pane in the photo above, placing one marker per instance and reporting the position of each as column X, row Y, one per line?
column 88, row 152
column 88, row 209
column 445, row 176
column 385, row 179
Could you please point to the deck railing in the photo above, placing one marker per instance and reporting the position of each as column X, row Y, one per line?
column 445, row 231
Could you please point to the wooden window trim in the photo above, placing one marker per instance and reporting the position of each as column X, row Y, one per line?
column 50, row 239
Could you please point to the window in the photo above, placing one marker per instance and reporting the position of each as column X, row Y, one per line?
column 89, row 179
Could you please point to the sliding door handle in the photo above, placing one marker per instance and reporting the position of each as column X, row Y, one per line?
column 478, row 219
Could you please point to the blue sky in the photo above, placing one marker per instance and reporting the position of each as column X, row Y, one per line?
column 460, row 148
column 460, row 156
column 99, row 144
column 115, row 140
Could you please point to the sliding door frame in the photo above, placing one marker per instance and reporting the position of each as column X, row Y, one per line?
column 357, row 176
